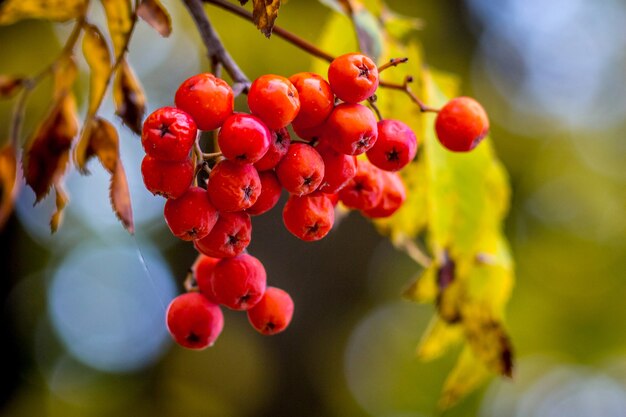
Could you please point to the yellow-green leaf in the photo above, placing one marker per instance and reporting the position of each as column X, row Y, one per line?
column 120, row 22
column 8, row 184
column 156, row 15
column 424, row 288
column 61, row 201
column 264, row 14
column 130, row 101
column 58, row 10
column 467, row 375
column 438, row 338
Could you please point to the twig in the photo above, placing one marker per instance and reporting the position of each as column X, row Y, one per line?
column 407, row 89
column 393, row 62
column 372, row 102
column 414, row 252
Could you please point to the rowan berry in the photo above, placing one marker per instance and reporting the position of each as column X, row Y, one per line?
column 353, row 77
column 365, row 190
column 238, row 282
column 311, row 135
column 232, row 186
column 229, row 237
column 279, row 144
column 395, row 147
column 208, row 99
column 244, row 138
column 270, row 194
column 191, row 216
column 193, row 321
column 274, row 100
column 301, row 170
column 201, row 270
column 273, row 313
column 351, row 129
column 169, row 179
column 309, row 217
column 339, row 168
column 394, row 194
column 461, row 124
column 168, row 134
column 316, row 99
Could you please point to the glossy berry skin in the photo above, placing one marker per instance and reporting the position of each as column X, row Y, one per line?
column 339, row 168
column 229, row 237
column 311, row 135
column 239, row 282
column 193, row 321
column 301, row 171
column 394, row 195
column 351, row 129
column 168, row 134
column 233, row 187
column 273, row 313
column 309, row 217
column 274, row 100
column 270, row 194
column 244, row 138
column 279, row 144
column 208, row 99
column 202, row 269
column 353, row 77
column 365, row 190
column 316, row 99
column 395, row 147
column 461, row 124
column 191, row 216
column 169, row 179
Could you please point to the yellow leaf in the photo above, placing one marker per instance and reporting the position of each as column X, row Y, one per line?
column 468, row 374
column 60, row 202
column 98, row 58
column 120, row 22
column 65, row 72
column 264, row 13
column 424, row 288
column 438, row 338
column 120, row 198
column 8, row 184
column 156, row 15
column 130, row 101
column 57, row 10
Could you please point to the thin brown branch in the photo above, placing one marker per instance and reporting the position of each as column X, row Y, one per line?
column 372, row 103
column 407, row 89
column 393, row 62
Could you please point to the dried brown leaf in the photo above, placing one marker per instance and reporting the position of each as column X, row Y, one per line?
column 8, row 183
column 9, row 85
column 264, row 13
column 61, row 200
column 58, row 10
column 130, row 101
column 156, row 15
column 120, row 198
column 104, row 143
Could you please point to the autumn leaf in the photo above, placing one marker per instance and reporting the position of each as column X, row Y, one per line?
column 129, row 98
column 8, row 182
column 438, row 338
column 58, row 10
column 156, row 15
column 264, row 14
column 61, row 201
column 9, row 85
column 119, row 15
column 120, row 198
column 467, row 375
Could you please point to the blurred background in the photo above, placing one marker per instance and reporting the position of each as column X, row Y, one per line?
column 82, row 312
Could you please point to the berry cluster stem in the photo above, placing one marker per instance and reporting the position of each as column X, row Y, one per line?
column 407, row 89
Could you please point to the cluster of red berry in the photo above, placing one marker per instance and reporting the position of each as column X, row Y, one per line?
column 257, row 159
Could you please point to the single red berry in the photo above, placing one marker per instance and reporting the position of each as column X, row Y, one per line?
column 274, row 100
column 395, row 147
column 191, row 216
column 193, row 321
column 316, row 99
column 239, row 282
column 233, row 187
column 229, row 237
column 394, row 194
column 279, row 144
column 169, row 179
column 244, row 138
column 301, row 171
column 365, row 190
column 202, row 269
column 351, row 129
column 168, row 134
column 270, row 194
column 273, row 313
column 309, row 217
column 311, row 135
column 208, row 99
column 334, row 198
column 461, row 124
column 339, row 168
column 353, row 77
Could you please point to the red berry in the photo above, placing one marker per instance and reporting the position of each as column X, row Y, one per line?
column 191, row 216
column 351, row 129
column 395, row 147
column 279, row 144
column 311, row 135
column 168, row 134
column 394, row 194
column 301, row 171
column 202, row 269
column 309, row 217
column 239, row 282
column 461, row 124
column 316, row 99
column 339, row 168
column 244, row 138
column 229, row 237
column 274, row 100
column 270, row 194
column 353, row 77
column 193, row 321
column 273, row 313
column 169, row 179
column 233, row 187
column 365, row 190
column 208, row 99
column 334, row 198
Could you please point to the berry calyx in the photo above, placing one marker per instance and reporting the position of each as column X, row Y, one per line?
column 208, row 99
column 233, row 187
column 244, row 138
column 169, row 179
column 339, row 168
column 301, row 170
column 394, row 194
column 238, row 282
column 274, row 100
column 395, row 147
column 351, row 129
column 191, row 216
column 270, row 194
column 193, row 321
column 309, row 217
column 168, row 134
column 316, row 99
column 353, row 77
column 365, row 190
column 279, row 143
column 229, row 237
column 273, row 313
column 461, row 124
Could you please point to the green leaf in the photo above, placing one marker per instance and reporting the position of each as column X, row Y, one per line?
column 58, row 10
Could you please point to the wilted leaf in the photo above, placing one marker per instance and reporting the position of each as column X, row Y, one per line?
column 438, row 338
column 104, row 143
column 57, row 10
column 130, row 101
column 467, row 375
column 264, row 14
column 156, row 15
column 8, row 182
column 60, row 202
column 120, row 22
column 98, row 58
column 120, row 198
column 9, row 85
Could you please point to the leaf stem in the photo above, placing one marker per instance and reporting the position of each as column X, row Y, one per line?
column 393, row 62
column 410, row 247
column 407, row 89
